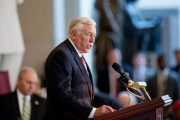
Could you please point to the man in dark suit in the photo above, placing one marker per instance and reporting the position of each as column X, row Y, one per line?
column 162, row 83
column 141, row 72
column 70, row 91
column 177, row 56
column 12, row 104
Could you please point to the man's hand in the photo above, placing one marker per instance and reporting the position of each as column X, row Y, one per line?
column 103, row 110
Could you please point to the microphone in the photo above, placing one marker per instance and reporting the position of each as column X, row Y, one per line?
column 118, row 68
column 124, row 79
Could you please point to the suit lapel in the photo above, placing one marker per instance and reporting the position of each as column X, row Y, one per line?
column 34, row 108
column 83, row 70
column 15, row 105
column 81, row 66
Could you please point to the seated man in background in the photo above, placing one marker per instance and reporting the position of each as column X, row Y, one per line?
column 177, row 56
column 23, row 104
column 141, row 72
column 162, row 83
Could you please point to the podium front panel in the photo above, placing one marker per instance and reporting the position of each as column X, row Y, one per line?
column 152, row 109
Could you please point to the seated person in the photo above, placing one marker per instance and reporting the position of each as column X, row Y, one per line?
column 12, row 105
column 107, row 76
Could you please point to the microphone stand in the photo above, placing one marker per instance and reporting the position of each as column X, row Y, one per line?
column 142, row 96
column 146, row 93
column 125, row 81
column 136, row 86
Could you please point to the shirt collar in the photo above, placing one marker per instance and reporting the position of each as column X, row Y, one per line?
column 20, row 95
column 164, row 72
column 75, row 48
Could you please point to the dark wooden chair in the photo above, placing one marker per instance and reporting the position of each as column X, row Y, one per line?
column 4, row 82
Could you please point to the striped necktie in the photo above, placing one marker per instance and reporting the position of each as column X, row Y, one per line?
column 85, row 65
column 26, row 109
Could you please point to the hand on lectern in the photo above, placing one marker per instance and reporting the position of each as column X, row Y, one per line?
column 103, row 110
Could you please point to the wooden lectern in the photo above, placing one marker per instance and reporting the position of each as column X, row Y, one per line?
column 148, row 110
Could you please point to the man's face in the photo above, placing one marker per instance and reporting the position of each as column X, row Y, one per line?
column 178, row 57
column 28, row 83
column 84, row 39
column 162, row 63
column 113, row 56
column 139, row 60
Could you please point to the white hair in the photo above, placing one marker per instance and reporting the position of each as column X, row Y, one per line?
column 23, row 71
column 77, row 23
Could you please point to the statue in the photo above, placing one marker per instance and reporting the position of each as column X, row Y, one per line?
column 138, row 33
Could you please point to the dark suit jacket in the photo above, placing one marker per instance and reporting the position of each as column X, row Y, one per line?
column 9, row 107
column 176, row 68
column 68, row 85
column 172, row 88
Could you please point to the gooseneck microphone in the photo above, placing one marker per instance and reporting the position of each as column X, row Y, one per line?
column 127, row 82
column 124, row 79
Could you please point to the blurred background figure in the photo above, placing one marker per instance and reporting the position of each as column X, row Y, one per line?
column 12, row 105
column 107, row 76
column 162, row 83
column 11, row 40
column 177, row 56
column 141, row 72
column 127, row 99
column 104, row 41
column 176, row 68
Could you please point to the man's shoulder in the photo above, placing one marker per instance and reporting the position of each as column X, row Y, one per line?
column 58, row 50
column 6, row 98
column 61, row 46
column 64, row 47
column 38, row 101
column 37, row 97
column 7, row 95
